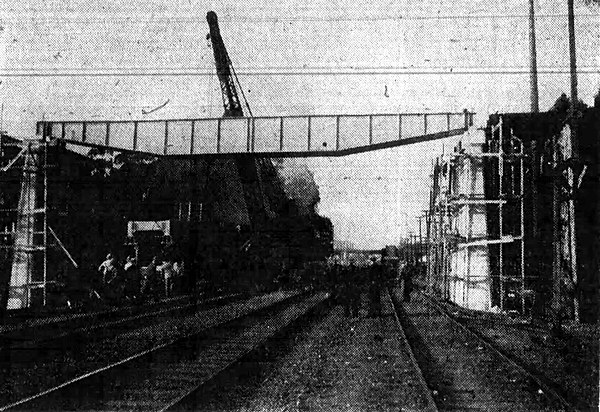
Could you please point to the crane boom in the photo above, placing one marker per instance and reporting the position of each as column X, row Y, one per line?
column 249, row 169
column 231, row 101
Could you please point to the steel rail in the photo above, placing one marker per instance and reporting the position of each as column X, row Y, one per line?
column 413, row 360
column 113, row 365
column 546, row 387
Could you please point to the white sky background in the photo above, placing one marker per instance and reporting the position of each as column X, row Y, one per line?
column 110, row 59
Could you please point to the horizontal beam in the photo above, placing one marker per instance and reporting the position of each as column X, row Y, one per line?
column 283, row 136
column 289, row 154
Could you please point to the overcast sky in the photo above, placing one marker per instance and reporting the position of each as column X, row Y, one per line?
column 99, row 59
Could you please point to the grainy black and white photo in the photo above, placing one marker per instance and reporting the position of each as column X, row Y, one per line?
column 303, row 205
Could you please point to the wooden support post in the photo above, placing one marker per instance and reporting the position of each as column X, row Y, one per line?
column 308, row 135
column 533, row 60
column 556, row 242
column 500, row 213
column 337, row 132
column 218, row 135
column 135, row 135
column 253, row 135
column 45, row 208
column 399, row 127
column 281, row 134
column 166, row 143
column 192, row 131
column 248, row 135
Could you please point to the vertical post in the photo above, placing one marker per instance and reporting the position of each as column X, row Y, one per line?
column 83, row 131
column 107, row 140
column 370, row 129
column 441, row 243
column 308, row 135
column 575, row 152
column 468, row 191
column 556, row 241
column 428, row 249
column 135, row 135
column 467, row 120
column 533, row 59
column 248, row 134
column 192, row 132
column 500, row 210
column 522, row 193
column 337, row 132
column 573, row 249
column 253, row 134
column 399, row 126
column 45, row 209
column 572, row 53
column 447, row 121
column 166, row 143
column 420, row 237
column 424, row 123
column 281, row 134
column 219, row 135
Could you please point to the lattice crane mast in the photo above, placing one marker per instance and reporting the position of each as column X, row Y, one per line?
column 225, row 71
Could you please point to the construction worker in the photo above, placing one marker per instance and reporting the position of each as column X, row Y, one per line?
column 375, row 285
column 131, row 277
column 148, row 280
column 166, row 269
column 354, row 290
column 408, row 286
column 108, row 268
column 178, row 276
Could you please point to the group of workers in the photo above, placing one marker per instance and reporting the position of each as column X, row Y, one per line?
column 128, row 281
column 351, row 281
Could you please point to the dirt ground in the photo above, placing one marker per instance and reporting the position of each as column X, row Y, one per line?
column 569, row 359
column 338, row 363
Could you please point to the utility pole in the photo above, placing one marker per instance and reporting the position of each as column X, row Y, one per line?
column 420, row 238
column 574, row 155
column 428, row 251
column 533, row 60
column 556, row 243
column 572, row 54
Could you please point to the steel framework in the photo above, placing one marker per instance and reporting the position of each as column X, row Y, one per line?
column 25, row 233
column 275, row 136
column 457, row 236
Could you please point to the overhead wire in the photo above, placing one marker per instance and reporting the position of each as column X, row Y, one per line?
column 31, row 72
column 276, row 19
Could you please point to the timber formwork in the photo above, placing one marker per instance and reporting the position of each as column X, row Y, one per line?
column 25, row 231
column 476, row 243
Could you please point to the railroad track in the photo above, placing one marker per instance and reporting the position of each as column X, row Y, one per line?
column 167, row 375
column 421, row 384
column 331, row 362
column 466, row 350
column 550, row 389
column 33, row 339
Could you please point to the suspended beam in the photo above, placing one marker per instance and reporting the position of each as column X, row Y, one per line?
column 282, row 136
